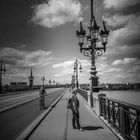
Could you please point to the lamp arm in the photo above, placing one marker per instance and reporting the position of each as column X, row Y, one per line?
column 87, row 53
column 98, row 52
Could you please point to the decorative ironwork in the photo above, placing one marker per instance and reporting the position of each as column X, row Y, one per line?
column 98, row 53
column 87, row 53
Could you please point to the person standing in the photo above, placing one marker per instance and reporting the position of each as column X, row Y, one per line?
column 75, row 110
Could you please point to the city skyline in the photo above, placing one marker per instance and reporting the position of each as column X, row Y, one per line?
column 41, row 35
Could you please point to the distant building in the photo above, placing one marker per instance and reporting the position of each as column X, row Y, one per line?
column 14, row 84
column 21, row 84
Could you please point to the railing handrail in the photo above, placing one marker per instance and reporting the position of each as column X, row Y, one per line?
column 122, row 103
column 83, row 89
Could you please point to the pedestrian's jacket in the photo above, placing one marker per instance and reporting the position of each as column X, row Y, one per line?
column 73, row 103
column 42, row 92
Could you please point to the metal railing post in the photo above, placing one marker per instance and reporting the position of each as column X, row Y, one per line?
column 138, row 126
column 124, row 122
column 101, row 104
column 113, row 112
column 108, row 110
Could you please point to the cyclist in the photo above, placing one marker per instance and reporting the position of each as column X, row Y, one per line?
column 42, row 94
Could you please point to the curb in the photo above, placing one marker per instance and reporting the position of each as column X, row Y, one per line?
column 29, row 130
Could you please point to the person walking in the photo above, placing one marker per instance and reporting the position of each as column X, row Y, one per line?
column 74, row 101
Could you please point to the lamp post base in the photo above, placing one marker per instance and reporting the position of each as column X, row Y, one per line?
column 1, row 90
column 95, row 89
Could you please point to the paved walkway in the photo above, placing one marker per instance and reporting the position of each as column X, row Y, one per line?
column 58, row 124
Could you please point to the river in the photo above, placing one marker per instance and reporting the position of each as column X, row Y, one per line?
column 132, row 97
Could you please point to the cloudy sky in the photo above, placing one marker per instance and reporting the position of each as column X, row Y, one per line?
column 41, row 34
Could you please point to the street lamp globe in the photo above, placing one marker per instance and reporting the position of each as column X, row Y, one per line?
column 81, row 35
column 89, row 41
column 94, row 30
column 104, row 35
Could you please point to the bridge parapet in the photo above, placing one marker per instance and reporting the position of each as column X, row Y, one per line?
column 83, row 93
column 123, row 116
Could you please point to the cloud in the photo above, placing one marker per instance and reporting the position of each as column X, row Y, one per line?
column 67, row 70
column 70, row 63
column 127, row 35
column 119, row 4
column 118, row 20
column 64, row 64
column 38, row 58
column 135, row 69
column 57, row 12
column 124, row 61
column 105, row 70
column 23, row 59
column 113, row 70
column 64, row 73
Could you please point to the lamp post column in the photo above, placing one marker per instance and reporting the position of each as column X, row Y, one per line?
column 43, row 79
column 76, row 72
column 0, row 81
column 2, row 71
column 94, row 77
column 77, row 83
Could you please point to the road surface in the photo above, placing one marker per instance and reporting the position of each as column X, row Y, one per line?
column 15, row 120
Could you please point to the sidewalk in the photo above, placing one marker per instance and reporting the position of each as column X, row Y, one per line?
column 58, row 124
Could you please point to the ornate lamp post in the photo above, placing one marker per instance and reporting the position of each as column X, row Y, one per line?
column 93, row 50
column 2, row 71
column 31, row 79
column 76, row 63
column 43, row 79
column 73, row 81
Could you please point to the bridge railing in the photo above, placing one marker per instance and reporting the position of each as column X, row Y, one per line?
column 83, row 93
column 123, row 116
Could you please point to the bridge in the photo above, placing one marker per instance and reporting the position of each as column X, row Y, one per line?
column 21, row 118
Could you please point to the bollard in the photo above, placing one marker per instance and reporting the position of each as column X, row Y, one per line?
column 108, row 110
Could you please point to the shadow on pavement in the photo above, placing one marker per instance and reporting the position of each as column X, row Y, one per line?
column 92, row 127
column 44, row 108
